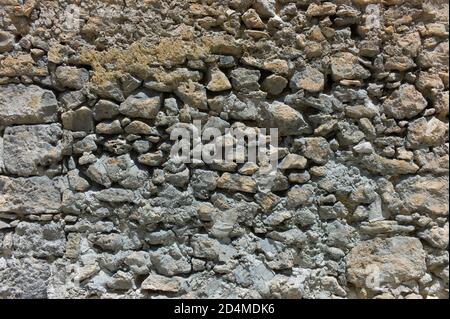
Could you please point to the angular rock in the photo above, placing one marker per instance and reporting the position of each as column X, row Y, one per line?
column 32, row 195
column 109, row 128
column 265, row 8
column 363, row 148
column 169, row 261
column 88, row 144
column 105, row 109
column 316, row 149
column 203, row 182
column 324, row 9
column 384, row 227
column 141, row 105
column 97, row 172
column 218, row 81
column 138, row 127
column 300, row 195
column 193, row 94
column 121, row 281
column 205, row 247
column 151, row 159
column 20, row 104
column 108, row 89
column 71, row 77
column 428, row 81
column 404, row 103
column 436, row 236
column 293, row 161
column 180, row 179
column 274, row 84
column 239, row 183
column 361, row 111
column 349, row 134
column 32, row 149
column 160, row 283
column 386, row 263
column 287, row 120
column 139, row 262
column 384, row 166
column 252, row 20
column 81, row 119
column 277, row 66
column 310, row 79
column 424, row 194
column 238, row 108
column 423, row 133
column 115, row 195
column 245, row 80
column 77, row 182
column 345, row 66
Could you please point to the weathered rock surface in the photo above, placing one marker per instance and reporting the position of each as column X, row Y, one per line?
column 32, row 149
column 424, row 194
column 238, row 183
column 32, row 195
column 386, row 263
column 141, row 105
column 287, row 120
column 405, row 103
column 20, row 104
column 129, row 167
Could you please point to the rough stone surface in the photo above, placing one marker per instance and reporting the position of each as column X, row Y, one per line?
column 405, row 103
column 380, row 264
column 310, row 79
column 78, row 120
column 32, row 195
column 20, row 104
column 99, row 199
column 32, row 149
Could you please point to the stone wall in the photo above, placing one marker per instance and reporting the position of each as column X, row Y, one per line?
column 93, row 206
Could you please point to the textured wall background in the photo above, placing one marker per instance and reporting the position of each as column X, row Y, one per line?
column 91, row 204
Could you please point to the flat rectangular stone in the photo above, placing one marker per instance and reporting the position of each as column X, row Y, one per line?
column 32, row 149
column 20, row 104
column 236, row 182
column 33, row 195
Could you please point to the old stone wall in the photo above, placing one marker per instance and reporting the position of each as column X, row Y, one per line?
column 92, row 205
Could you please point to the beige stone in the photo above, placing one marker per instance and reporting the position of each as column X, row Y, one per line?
column 424, row 194
column 310, row 79
column 151, row 159
column 293, row 161
column 379, row 263
column 160, row 283
column 32, row 195
column 236, row 182
column 345, row 66
column 324, row 9
column 385, row 166
column 81, row 119
column 252, row 20
column 138, row 127
column 404, row 103
column 427, row 133
column 218, row 81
